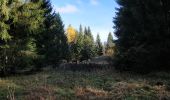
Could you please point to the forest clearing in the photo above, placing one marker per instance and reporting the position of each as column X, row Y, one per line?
column 87, row 83
column 84, row 49
column 97, row 84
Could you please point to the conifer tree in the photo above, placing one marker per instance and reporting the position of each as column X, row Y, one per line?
column 4, row 35
column 56, row 45
column 89, row 33
column 110, row 46
column 52, row 42
column 99, row 46
column 142, row 28
column 18, row 36
column 89, row 47
column 4, row 17
column 28, row 17
column 79, row 44
column 85, row 31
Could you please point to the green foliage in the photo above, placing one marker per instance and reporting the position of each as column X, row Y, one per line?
column 110, row 48
column 4, row 27
column 56, row 46
column 69, row 85
column 29, row 32
column 142, row 28
column 88, row 51
column 52, row 42
column 89, row 47
column 99, row 46
column 110, row 41
column 84, row 47
column 29, row 18
column 80, row 43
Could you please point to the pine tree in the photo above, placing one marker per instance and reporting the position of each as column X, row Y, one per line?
column 89, row 33
column 19, row 44
column 85, row 31
column 4, row 35
column 89, row 48
column 4, row 17
column 44, row 31
column 52, row 41
column 99, row 46
column 46, row 5
column 56, row 44
column 110, row 41
column 28, row 17
column 142, row 28
column 110, row 46
column 79, row 44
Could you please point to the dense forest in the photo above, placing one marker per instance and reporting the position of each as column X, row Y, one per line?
column 42, row 59
column 30, row 32
column 143, row 31
column 32, row 36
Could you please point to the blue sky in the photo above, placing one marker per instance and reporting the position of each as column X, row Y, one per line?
column 98, row 14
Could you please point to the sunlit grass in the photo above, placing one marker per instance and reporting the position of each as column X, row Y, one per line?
column 69, row 85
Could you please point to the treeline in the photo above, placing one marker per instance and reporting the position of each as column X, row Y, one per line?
column 82, row 45
column 31, row 35
column 143, row 31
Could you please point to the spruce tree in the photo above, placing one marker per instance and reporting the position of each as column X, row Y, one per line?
column 79, row 43
column 110, row 41
column 142, row 28
column 28, row 17
column 110, row 46
column 99, row 46
column 51, row 42
column 4, row 35
column 4, row 17
column 21, row 21
column 56, row 43
column 89, row 33
column 89, row 48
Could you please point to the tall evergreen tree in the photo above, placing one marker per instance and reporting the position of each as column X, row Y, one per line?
column 44, row 31
column 110, row 41
column 110, row 46
column 28, row 17
column 79, row 43
column 51, row 42
column 89, row 47
column 4, row 35
column 4, row 17
column 56, row 48
column 142, row 28
column 99, row 46
column 20, row 45
column 89, row 33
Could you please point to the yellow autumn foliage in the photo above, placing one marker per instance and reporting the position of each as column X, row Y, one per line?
column 71, row 34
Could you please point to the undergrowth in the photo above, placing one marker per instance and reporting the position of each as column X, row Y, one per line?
column 79, row 85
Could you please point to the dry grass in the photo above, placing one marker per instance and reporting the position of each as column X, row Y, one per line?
column 90, row 93
column 79, row 85
column 41, row 93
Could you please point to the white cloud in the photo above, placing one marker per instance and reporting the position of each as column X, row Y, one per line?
column 94, row 2
column 67, row 9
